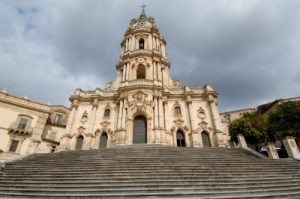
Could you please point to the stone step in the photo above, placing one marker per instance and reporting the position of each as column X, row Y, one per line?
column 102, row 183
column 150, row 171
column 158, row 193
column 143, row 177
column 166, row 188
column 121, row 165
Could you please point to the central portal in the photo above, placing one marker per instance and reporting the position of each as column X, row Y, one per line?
column 140, row 130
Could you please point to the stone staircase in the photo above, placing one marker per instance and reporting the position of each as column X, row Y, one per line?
column 150, row 171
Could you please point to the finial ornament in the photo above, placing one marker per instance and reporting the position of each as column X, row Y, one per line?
column 143, row 10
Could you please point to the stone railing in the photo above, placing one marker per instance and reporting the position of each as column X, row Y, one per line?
column 14, row 128
column 197, row 90
column 138, row 82
column 176, row 91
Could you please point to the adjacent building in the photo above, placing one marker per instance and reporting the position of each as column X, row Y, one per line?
column 28, row 127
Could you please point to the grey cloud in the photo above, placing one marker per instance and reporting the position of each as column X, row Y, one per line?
column 248, row 50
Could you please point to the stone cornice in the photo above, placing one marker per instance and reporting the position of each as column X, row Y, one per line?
column 24, row 103
column 154, row 54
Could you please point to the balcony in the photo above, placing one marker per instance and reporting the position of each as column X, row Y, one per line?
column 15, row 129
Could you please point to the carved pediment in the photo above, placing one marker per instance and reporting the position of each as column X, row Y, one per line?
column 178, row 122
column 204, row 126
column 139, row 101
column 104, row 125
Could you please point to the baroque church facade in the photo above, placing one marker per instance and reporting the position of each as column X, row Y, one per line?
column 144, row 105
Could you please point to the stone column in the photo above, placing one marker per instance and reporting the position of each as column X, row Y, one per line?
column 242, row 141
column 166, row 113
column 191, row 118
column 154, row 71
column 159, row 72
column 154, row 43
column 123, row 125
column 215, row 114
column 164, row 50
column 71, row 119
column 133, row 75
column 126, row 44
column 120, row 114
column 195, row 134
column 123, row 73
column 161, row 113
column 149, row 43
column 94, row 110
column 291, row 147
column 129, row 72
column 272, row 152
column 155, row 113
column 130, row 43
column 163, row 76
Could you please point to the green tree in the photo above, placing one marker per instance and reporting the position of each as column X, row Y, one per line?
column 253, row 126
column 285, row 120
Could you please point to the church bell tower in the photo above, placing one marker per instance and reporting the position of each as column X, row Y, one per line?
column 143, row 55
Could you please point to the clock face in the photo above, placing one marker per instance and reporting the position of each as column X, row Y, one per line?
column 142, row 25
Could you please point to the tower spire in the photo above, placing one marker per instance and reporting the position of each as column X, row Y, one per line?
column 143, row 13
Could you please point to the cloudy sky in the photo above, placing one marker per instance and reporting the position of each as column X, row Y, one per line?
column 248, row 50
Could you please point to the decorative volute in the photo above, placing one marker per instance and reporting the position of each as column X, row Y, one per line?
column 143, row 58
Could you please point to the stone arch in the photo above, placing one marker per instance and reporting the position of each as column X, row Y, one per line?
column 206, row 141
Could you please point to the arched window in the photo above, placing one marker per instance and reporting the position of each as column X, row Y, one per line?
column 141, row 72
column 107, row 113
column 141, row 44
column 177, row 110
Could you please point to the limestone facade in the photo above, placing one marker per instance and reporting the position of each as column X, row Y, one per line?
column 144, row 100
column 30, row 127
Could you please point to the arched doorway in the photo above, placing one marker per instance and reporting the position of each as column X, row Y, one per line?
column 140, row 130
column 79, row 143
column 180, row 138
column 205, row 139
column 103, row 141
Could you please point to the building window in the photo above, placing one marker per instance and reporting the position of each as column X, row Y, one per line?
column 141, row 44
column 14, row 145
column 22, row 123
column 52, row 136
column 107, row 113
column 141, row 72
column 177, row 110
column 58, row 119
